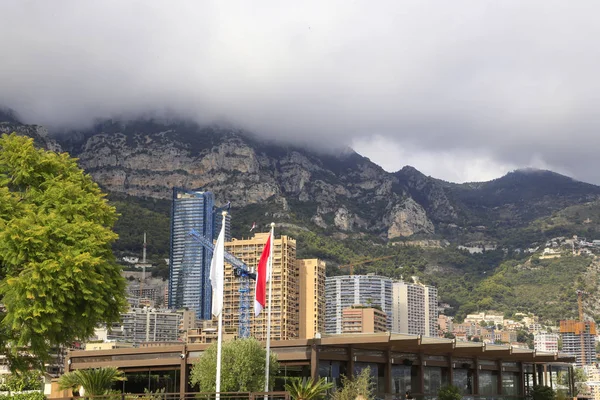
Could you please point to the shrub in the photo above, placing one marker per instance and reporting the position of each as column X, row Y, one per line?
column 449, row 392
column 361, row 385
column 307, row 389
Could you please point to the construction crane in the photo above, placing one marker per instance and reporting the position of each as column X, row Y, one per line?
column 580, row 294
column 240, row 270
column 354, row 264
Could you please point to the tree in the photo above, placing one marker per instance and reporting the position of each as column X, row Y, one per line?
column 361, row 386
column 26, row 380
column 243, row 367
column 95, row 382
column 449, row 392
column 580, row 378
column 307, row 389
column 58, row 276
column 541, row 393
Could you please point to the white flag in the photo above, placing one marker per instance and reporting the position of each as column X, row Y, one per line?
column 217, row 269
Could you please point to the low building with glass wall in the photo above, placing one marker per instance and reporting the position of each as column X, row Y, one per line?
column 397, row 362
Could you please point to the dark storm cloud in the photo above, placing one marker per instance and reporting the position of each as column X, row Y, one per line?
column 512, row 83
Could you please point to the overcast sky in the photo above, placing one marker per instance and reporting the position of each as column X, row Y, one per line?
column 461, row 90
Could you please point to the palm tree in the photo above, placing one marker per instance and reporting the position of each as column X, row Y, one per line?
column 95, row 382
column 301, row 389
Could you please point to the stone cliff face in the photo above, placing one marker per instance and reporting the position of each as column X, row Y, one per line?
column 39, row 134
column 343, row 192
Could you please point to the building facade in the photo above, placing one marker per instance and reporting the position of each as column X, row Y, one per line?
column 285, row 323
column 342, row 292
column 312, row 297
column 579, row 339
column 152, row 325
column 415, row 309
column 546, row 342
column 359, row 319
column 189, row 269
column 397, row 363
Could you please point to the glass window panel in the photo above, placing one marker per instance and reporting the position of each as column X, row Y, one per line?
column 510, row 384
column 433, row 379
column 488, row 382
column 401, row 379
column 463, row 379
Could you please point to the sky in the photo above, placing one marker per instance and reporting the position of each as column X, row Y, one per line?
column 461, row 90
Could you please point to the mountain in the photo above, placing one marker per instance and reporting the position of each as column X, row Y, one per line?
column 340, row 193
column 342, row 207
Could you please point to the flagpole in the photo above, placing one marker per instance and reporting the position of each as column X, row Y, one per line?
column 270, row 272
column 220, row 331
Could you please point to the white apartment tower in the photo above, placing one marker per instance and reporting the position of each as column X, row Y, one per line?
column 414, row 309
column 546, row 342
column 345, row 291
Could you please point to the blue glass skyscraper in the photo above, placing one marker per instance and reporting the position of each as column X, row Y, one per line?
column 189, row 268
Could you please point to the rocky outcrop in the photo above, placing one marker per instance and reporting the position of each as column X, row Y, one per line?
column 430, row 193
column 342, row 192
column 408, row 218
column 39, row 134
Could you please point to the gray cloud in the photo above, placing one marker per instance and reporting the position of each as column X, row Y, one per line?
column 504, row 84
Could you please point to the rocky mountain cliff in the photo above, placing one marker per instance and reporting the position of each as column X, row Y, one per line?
column 342, row 193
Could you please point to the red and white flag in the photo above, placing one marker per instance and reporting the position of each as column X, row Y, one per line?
column 253, row 226
column 262, row 277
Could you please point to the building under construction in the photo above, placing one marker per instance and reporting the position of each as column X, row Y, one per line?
column 579, row 340
column 285, row 322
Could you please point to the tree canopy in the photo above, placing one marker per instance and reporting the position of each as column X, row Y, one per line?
column 243, row 367
column 58, row 276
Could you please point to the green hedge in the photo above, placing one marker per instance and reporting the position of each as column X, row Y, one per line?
column 24, row 396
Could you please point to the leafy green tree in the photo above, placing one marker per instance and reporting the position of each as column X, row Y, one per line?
column 361, row 386
column 580, row 378
column 539, row 392
column 58, row 277
column 95, row 382
column 243, row 367
column 449, row 392
column 27, row 380
column 307, row 389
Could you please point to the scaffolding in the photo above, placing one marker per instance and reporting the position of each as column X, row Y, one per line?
column 242, row 272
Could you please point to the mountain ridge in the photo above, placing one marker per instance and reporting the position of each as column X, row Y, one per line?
column 343, row 207
column 339, row 192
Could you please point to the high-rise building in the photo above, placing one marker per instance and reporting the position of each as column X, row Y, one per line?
column 360, row 319
column 151, row 325
column 342, row 292
column 189, row 269
column 312, row 297
column 285, row 322
column 415, row 309
column 579, row 339
column 546, row 342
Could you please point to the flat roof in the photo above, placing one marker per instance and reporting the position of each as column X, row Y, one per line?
column 369, row 341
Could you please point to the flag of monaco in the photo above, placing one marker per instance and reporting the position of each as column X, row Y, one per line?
column 262, row 277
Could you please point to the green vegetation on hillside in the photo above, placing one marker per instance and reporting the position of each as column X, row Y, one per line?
column 505, row 281
column 582, row 220
column 139, row 215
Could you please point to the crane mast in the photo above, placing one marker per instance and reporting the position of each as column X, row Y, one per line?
column 240, row 270
column 580, row 294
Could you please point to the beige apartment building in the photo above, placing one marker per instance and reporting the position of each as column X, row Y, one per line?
column 285, row 322
column 312, row 297
column 359, row 319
